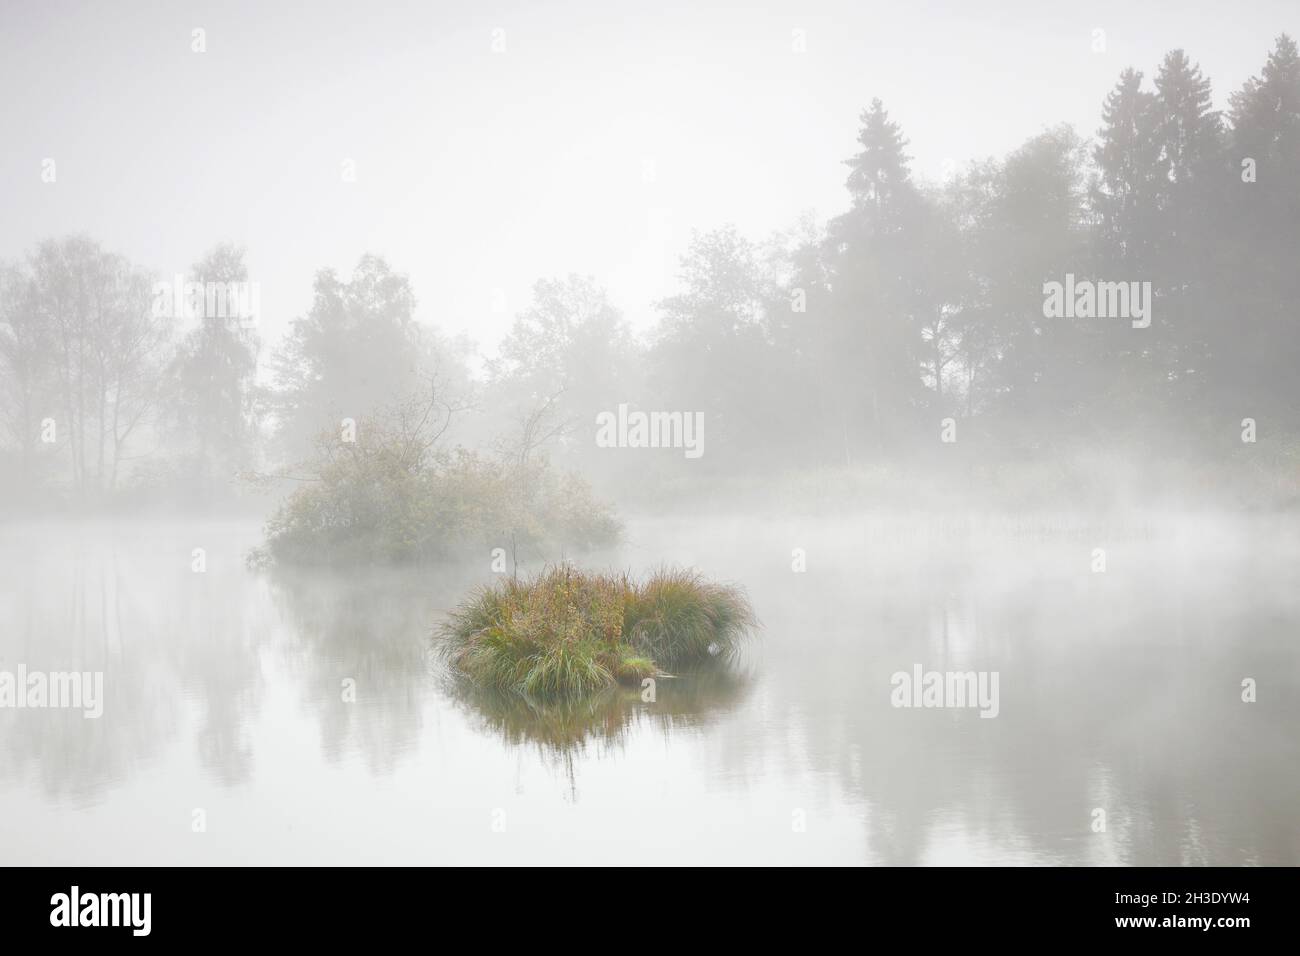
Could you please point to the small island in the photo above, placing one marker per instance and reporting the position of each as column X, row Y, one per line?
column 566, row 633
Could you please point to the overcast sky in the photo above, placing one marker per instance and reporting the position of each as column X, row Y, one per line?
column 479, row 171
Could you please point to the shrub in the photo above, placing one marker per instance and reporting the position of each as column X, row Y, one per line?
column 384, row 498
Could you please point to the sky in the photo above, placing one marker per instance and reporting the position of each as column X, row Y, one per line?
column 494, row 144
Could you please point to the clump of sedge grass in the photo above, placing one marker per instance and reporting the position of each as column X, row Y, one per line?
column 677, row 617
column 568, row 634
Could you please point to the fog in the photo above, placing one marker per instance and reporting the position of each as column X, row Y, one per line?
column 963, row 345
column 1117, row 691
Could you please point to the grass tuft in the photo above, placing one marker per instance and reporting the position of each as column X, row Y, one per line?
column 677, row 617
column 569, row 634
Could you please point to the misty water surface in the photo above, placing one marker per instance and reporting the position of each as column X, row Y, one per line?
column 1118, row 691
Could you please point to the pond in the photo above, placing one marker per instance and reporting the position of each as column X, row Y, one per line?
column 302, row 718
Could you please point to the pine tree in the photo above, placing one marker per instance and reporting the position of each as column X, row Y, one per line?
column 1260, row 232
column 1191, row 193
column 1187, row 125
column 879, row 174
column 1128, row 164
column 1265, row 113
column 879, row 280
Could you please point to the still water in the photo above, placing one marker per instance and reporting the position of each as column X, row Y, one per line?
column 1119, row 690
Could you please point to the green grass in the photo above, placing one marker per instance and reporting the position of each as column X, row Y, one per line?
column 566, row 634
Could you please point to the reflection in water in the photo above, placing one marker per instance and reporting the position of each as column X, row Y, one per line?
column 368, row 629
column 563, row 732
column 70, row 605
column 229, row 690
column 1120, row 691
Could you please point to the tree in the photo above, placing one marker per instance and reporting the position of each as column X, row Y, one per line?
column 1128, row 164
column 1265, row 113
column 1188, row 135
column 712, row 351
column 1258, row 343
column 88, row 313
column 1187, row 127
column 214, row 377
column 27, row 385
column 571, row 353
column 358, row 348
column 1025, row 224
column 879, row 175
column 880, row 295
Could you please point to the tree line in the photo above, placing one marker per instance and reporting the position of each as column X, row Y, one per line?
column 841, row 343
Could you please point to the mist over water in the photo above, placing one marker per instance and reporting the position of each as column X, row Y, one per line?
column 1119, row 690
column 804, row 434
